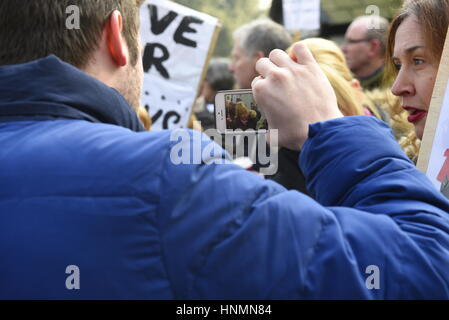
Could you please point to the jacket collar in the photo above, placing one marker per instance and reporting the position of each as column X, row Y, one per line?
column 49, row 88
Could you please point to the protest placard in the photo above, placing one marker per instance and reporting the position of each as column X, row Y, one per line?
column 434, row 154
column 301, row 14
column 177, row 43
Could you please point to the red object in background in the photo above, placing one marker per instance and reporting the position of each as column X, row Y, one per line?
column 445, row 169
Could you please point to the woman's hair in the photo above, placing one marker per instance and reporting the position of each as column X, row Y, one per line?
column 403, row 130
column 432, row 16
column 332, row 62
column 242, row 110
column 145, row 118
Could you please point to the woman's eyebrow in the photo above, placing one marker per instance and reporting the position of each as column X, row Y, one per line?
column 411, row 49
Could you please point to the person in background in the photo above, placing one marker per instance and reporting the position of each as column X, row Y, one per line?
column 218, row 78
column 245, row 118
column 364, row 48
column 253, row 41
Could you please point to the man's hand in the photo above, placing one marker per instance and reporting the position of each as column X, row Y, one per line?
column 294, row 92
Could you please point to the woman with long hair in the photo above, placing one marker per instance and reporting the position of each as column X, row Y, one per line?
column 415, row 45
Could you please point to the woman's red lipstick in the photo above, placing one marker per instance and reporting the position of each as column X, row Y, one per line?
column 415, row 114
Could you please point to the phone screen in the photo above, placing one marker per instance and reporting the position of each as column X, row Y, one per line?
column 242, row 113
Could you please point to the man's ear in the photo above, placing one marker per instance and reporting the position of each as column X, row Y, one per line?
column 260, row 54
column 117, row 46
column 374, row 47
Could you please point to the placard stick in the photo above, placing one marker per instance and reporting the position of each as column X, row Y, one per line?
column 212, row 46
column 435, row 109
column 193, row 123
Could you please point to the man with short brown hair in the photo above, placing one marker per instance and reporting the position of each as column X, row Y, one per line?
column 106, row 26
column 46, row 33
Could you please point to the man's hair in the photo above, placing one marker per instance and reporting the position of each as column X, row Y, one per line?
column 218, row 75
column 377, row 30
column 262, row 35
column 30, row 30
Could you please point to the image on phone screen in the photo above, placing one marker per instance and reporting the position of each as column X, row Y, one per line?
column 242, row 113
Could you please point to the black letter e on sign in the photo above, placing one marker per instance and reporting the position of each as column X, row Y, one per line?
column 159, row 26
column 185, row 27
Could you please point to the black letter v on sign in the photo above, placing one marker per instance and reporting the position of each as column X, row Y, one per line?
column 159, row 26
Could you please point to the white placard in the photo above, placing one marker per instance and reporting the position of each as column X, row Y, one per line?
column 438, row 168
column 434, row 154
column 301, row 14
column 176, row 42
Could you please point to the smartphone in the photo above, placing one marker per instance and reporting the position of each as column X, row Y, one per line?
column 236, row 111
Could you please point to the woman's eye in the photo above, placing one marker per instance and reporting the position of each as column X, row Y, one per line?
column 418, row 61
column 397, row 66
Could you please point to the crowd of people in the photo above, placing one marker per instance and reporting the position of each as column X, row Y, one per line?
column 86, row 187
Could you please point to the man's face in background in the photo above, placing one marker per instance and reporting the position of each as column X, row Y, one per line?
column 356, row 47
column 243, row 67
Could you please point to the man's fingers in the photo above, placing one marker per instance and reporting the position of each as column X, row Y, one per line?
column 255, row 80
column 301, row 54
column 264, row 66
column 280, row 58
